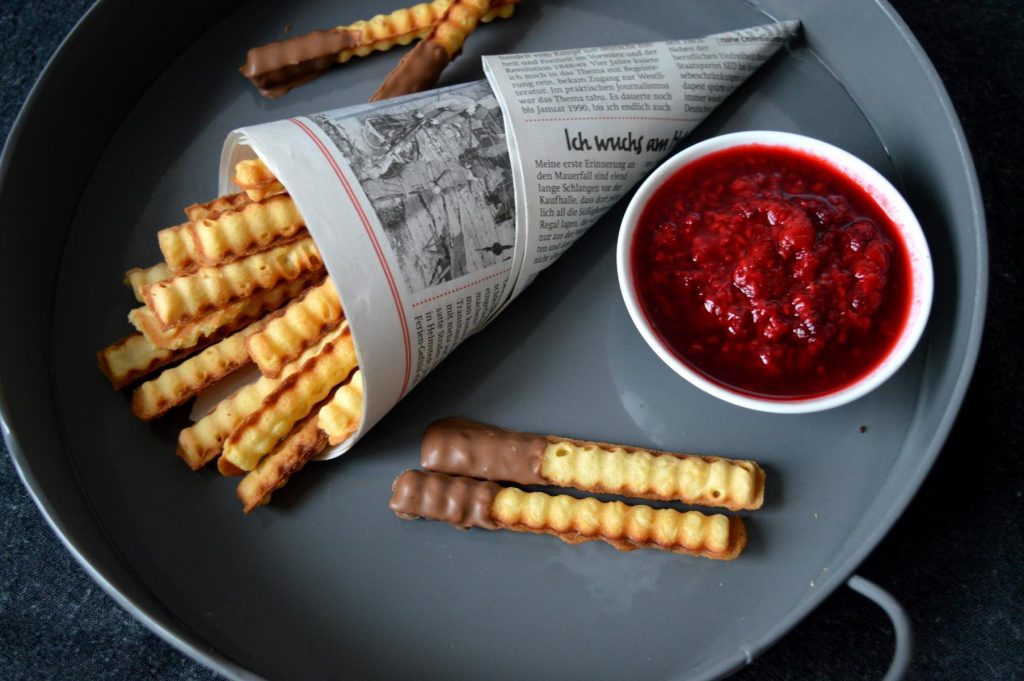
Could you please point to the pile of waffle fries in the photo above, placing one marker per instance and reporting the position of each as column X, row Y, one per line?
column 242, row 282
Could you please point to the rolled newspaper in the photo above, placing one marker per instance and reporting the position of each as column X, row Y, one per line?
column 434, row 211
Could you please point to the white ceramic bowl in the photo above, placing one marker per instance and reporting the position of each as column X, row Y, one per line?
column 870, row 180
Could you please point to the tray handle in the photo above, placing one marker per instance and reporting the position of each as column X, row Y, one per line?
column 900, row 623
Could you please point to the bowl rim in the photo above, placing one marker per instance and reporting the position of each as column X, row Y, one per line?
column 874, row 183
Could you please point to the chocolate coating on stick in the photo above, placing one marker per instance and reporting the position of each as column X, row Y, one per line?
column 459, row 501
column 460, row 447
column 418, row 70
column 278, row 67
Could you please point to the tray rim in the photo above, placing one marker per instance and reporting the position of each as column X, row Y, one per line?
column 216, row 661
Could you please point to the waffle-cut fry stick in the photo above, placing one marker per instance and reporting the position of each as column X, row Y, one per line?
column 137, row 277
column 303, row 322
column 278, row 67
column 706, row 481
column 473, row 503
column 228, row 469
column 231, row 234
column 302, row 444
column 291, row 401
column 179, row 384
column 177, row 247
column 190, row 296
column 129, row 359
column 255, row 179
column 340, row 417
column 500, row 9
column 459, row 21
column 421, row 68
column 261, row 193
column 229, row 318
column 221, row 204
column 214, row 246
column 624, row 527
column 202, row 442
column 403, row 26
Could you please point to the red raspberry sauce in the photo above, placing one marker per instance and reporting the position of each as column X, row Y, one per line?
column 771, row 272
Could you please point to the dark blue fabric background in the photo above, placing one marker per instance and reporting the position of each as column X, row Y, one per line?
column 954, row 559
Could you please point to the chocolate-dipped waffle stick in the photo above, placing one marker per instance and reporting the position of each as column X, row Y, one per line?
column 466, row 502
column 461, row 447
column 278, row 67
column 422, row 66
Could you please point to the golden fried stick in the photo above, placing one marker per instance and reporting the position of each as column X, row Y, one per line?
column 230, row 234
column 137, row 277
column 255, row 227
column 466, row 502
column 255, row 179
column 132, row 357
column 302, row 444
column 178, row 384
column 190, row 296
column 228, row 469
column 202, row 442
column 278, row 67
column 221, row 204
column 421, row 68
column 229, row 318
column 303, row 322
column 402, row 26
column 457, row 23
column 461, row 447
column 177, row 247
column 340, row 417
column 291, row 401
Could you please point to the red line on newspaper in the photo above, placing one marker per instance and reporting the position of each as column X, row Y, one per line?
column 612, row 118
column 376, row 247
column 460, row 288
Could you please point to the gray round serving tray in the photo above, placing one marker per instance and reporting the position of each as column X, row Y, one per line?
column 124, row 128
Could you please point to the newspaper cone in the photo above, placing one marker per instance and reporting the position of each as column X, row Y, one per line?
column 433, row 211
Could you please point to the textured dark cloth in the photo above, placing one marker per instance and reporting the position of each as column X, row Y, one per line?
column 954, row 559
